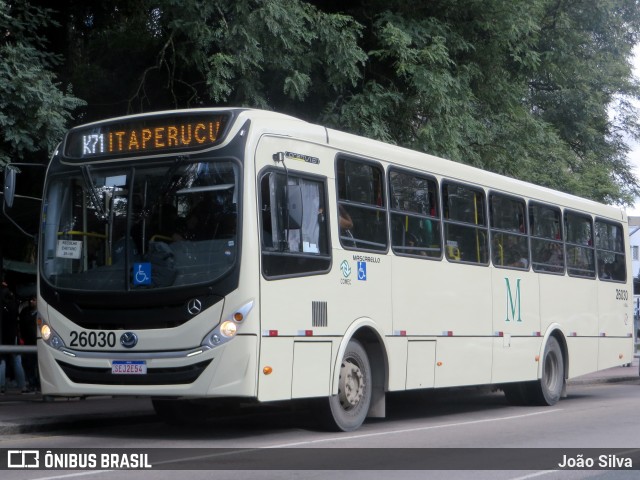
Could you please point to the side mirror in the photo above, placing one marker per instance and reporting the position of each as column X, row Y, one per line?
column 9, row 185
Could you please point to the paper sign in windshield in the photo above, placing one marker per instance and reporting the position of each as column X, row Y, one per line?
column 69, row 249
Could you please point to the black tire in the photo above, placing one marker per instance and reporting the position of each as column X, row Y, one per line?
column 548, row 390
column 348, row 409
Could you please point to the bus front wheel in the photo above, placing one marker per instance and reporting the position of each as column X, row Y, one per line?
column 348, row 409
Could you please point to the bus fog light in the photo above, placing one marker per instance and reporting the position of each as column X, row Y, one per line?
column 228, row 329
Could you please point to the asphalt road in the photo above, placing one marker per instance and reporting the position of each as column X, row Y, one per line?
column 452, row 434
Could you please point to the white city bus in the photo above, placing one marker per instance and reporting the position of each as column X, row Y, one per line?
column 211, row 257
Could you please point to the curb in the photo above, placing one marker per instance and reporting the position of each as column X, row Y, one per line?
column 603, row 380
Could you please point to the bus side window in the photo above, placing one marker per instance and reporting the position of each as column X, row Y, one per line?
column 294, row 234
column 610, row 251
column 415, row 222
column 579, row 245
column 547, row 248
column 465, row 223
column 361, row 194
column 509, row 240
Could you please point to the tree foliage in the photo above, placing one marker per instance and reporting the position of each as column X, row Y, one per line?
column 520, row 87
column 34, row 109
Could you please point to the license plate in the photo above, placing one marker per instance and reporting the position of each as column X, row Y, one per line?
column 138, row 367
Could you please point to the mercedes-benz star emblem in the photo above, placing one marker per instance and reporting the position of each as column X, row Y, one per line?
column 128, row 340
column 194, row 306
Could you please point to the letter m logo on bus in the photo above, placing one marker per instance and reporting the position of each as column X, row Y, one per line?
column 513, row 302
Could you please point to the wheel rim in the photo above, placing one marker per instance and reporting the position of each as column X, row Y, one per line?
column 351, row 386
column 551, row 371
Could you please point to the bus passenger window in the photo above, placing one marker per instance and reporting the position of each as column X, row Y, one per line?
column 579, row 245
column 465, row 224
column 361, row 195
column 547, row 248
column 415, row 222
column 509, row 240
column 610, row 251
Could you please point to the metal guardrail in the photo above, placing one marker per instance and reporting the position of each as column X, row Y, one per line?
column 18, row 349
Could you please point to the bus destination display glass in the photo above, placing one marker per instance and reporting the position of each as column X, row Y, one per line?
column 146, row 136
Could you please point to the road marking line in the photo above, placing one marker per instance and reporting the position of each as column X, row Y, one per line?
column 417, row 429
column 70, row 475
column 333, row 439
column 534, row 475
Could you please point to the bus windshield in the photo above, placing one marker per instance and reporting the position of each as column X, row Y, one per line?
column 158, row 225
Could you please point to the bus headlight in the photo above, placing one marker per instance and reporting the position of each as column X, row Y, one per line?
column 50, row 336
column 228, row 329
column 45, row 331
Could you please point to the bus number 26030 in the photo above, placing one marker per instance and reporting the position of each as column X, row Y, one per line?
column 93, row 339
column 622, row 294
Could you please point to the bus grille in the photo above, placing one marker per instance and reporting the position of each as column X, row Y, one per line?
column 319, row 314
column 154, row 376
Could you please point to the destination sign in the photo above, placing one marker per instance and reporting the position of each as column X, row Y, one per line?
column 146, row 135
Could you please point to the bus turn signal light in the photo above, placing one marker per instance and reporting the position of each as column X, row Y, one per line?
column 267, row 370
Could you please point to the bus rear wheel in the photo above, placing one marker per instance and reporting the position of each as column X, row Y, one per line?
column 348, row 409
column 548, row 390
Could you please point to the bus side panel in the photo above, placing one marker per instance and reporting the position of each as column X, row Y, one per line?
column 445, row 300
column 397, row 349
column 572, row 303
column 515, row 359
column 433, row 298
column 614, row 352
column 276, row 353
column 311, row 369
column 463, row 361
column 583, row 355
column 615, row 302
column 516, row 324
column 421, row 357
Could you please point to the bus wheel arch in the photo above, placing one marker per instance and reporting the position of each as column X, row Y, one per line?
column 359, row 381
column 374, row 346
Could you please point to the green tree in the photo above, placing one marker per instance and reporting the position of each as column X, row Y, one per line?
column 34, row 109
column 130, row 56
column 520, row 87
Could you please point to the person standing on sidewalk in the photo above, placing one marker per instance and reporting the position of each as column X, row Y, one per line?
column 28, row 326
column 9, row 336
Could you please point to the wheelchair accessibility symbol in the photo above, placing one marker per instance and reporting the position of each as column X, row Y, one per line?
column 362, row 271
column 142, row 273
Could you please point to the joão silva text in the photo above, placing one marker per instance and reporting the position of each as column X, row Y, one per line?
column 604, row 461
